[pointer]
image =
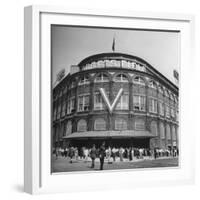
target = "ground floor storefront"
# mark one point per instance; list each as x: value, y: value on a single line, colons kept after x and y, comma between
x: 109, y: 142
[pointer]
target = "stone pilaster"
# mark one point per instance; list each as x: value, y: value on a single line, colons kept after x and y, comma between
x: 165, y: 128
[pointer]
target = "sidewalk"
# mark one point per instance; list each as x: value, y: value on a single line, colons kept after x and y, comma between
x: 117, y: 159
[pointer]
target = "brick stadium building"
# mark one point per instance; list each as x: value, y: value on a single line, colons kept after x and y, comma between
x: 145, y: 115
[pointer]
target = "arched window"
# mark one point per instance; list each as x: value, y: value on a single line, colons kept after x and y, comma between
x: 82, y: 125
x: 68, y: 128
x: 101, y: 78
x: 100, y: 124
x: 139, y: 124
x: 154, y: 128
x: 121, y: 78
x: 139, y: 80
x: 120, y: 124
x: 152, y: 84
x: 168, y: 132
x: 162, y: 131
x: 84, y: 80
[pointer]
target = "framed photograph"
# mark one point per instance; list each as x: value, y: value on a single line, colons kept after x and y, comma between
x: 106, y: 98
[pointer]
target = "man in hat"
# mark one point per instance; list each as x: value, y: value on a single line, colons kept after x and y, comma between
x: 102, y: 155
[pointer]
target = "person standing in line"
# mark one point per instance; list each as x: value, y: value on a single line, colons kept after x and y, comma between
x: 86, y: 152
x: 121, y: 151
x: 66, y: 152
x: 102, y: 155
x: 93, y: 153
x: 71, y: 153
x: 113, y: 153
x: 155, y: 153
x: 130, y: 154
x: 109, y: 155
x: 57, y: 152
x: 76, y: 153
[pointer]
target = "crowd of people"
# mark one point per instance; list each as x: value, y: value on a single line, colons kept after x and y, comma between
x: 112, y: 153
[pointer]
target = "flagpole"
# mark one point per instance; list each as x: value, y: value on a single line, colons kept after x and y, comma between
x: 113, y: 44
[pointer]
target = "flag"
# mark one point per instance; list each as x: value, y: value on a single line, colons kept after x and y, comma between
x: 113, y: 45
x: 176, y: 75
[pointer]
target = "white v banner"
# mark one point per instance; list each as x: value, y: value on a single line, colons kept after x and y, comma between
x: 106, y: 100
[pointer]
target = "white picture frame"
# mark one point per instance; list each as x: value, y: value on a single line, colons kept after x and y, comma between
x: 37, y: 136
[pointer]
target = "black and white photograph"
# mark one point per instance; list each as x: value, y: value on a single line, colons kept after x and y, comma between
x: 114, y: 98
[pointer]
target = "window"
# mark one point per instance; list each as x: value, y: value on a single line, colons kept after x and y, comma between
x: 172, y: 112
x: 139, y: 103
x: 73, y: 84
x: 152, y: 105
x: 82, y: 125
x: 154, y: 128
x: 101, y: 78
x: 152, y: 84
x: 167, y: 111
x: 100, y: 124
x: 71, y: 105
x: 54, y: 114
x: 161, y: 108
x: 61, y: 130
x: 123, y: 103
x: 65, y: 90
x: 168, y: 132
x: 120, y: 124
x: 98, y: 101
x: 68, y: 128
x: 57, y: 133
x: 59, y: 110
x: 139, y: 124
x: 63, y: 109
x: 121, y: 78
x: 84, y: 80
x: 162, y: 131
x: 138, y: 80
x: 83, y: 103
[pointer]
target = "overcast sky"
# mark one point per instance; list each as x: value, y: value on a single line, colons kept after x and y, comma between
x: 70, y: 45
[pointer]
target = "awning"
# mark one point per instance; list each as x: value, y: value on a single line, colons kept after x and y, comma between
x: 110, y: 134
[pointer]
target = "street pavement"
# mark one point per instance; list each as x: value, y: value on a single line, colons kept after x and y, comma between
x: 62, y: 164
